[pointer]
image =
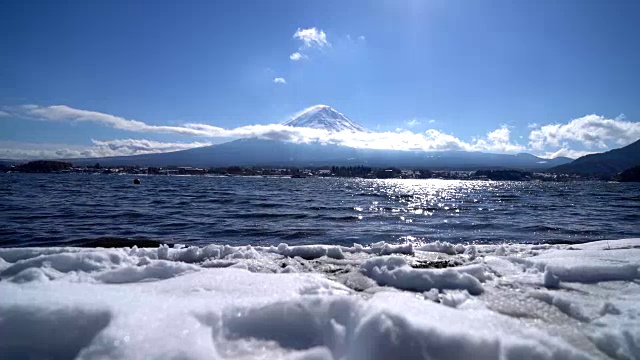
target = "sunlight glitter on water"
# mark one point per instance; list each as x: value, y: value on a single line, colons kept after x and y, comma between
x: 423, y: 197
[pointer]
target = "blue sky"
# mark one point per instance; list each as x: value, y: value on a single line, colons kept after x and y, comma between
x: 546, y: 77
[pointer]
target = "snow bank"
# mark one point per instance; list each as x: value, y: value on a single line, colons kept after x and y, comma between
x: 253, y: 315
x: 322, y: 302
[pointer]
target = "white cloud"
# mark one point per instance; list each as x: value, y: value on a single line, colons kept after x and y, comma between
x: 279, y: 80
x: 573, y: 139
x: 19, y: 150
x: 66, y: 113
x: 498, y: 140
x: 412, y: 122
x: 142, y: 146
x: 298, y: 56
x: 565, y: 152
x: 415, y: 122
x: 311, y: 37
x: 4, y: 113
x: 550, y: 140
x: 123, y: 147
x: 361, y: 38
x: 590, y: 131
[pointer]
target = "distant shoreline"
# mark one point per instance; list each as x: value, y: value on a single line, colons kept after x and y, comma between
x: 363, y: 172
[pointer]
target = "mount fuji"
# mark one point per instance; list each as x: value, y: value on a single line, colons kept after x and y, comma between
x: 324, y: 117
x: 260, y: 152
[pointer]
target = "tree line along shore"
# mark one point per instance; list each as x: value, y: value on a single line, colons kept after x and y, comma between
x: 366, y: 172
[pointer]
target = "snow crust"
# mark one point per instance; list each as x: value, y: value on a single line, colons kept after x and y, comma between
x: 385, y: 301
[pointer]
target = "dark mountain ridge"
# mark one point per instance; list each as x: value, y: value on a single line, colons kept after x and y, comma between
x: 257, y: 152
x: 606, y: 164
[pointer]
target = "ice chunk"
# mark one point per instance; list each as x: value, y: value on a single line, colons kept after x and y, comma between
x: 455, y: 298
x: 394, y: 271
x: 158, y: 269
x: 309, y: 252
x: 442, y: 247
x: 588, y: 266
x: 593, y: 273
x: 388, y: 249
x: 551, y: 280
x: 30, y: 274
x: 86, y: 261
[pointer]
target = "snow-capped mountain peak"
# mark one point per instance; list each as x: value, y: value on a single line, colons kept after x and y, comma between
x: 324, y: 117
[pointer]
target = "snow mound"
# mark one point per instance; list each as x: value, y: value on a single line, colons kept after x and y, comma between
x: 322, y: 302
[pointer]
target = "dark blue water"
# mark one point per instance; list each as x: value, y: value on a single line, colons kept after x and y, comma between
x: 72, y: 209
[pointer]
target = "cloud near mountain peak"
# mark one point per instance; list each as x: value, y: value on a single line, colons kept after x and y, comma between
x: 548, y: 139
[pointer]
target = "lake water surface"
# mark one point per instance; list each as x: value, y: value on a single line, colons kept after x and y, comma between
x: 70, y: 209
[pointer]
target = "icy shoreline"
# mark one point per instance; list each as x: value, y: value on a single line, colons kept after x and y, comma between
x: 436, y: 301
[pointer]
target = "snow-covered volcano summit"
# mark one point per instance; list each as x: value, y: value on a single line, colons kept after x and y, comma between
x: 324, y: 117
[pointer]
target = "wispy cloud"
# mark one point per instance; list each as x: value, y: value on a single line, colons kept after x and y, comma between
x: 66, y: 113
x: 360, y: 38
x: 123, y: 147
x: 311, y: 37
x: 413, y: 122
x: 4, y: 113
x: 296, y: 56
x: 565, y: 152
x: 142, y: 146
x: 279, y: 80
x: 592, y: 131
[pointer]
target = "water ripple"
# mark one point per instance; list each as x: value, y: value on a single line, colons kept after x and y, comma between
x: 41, y: 209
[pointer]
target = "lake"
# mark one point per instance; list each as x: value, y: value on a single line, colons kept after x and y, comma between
x: 73, y: 209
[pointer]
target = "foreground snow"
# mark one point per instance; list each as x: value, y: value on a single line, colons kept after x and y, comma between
x: 433, y: 301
